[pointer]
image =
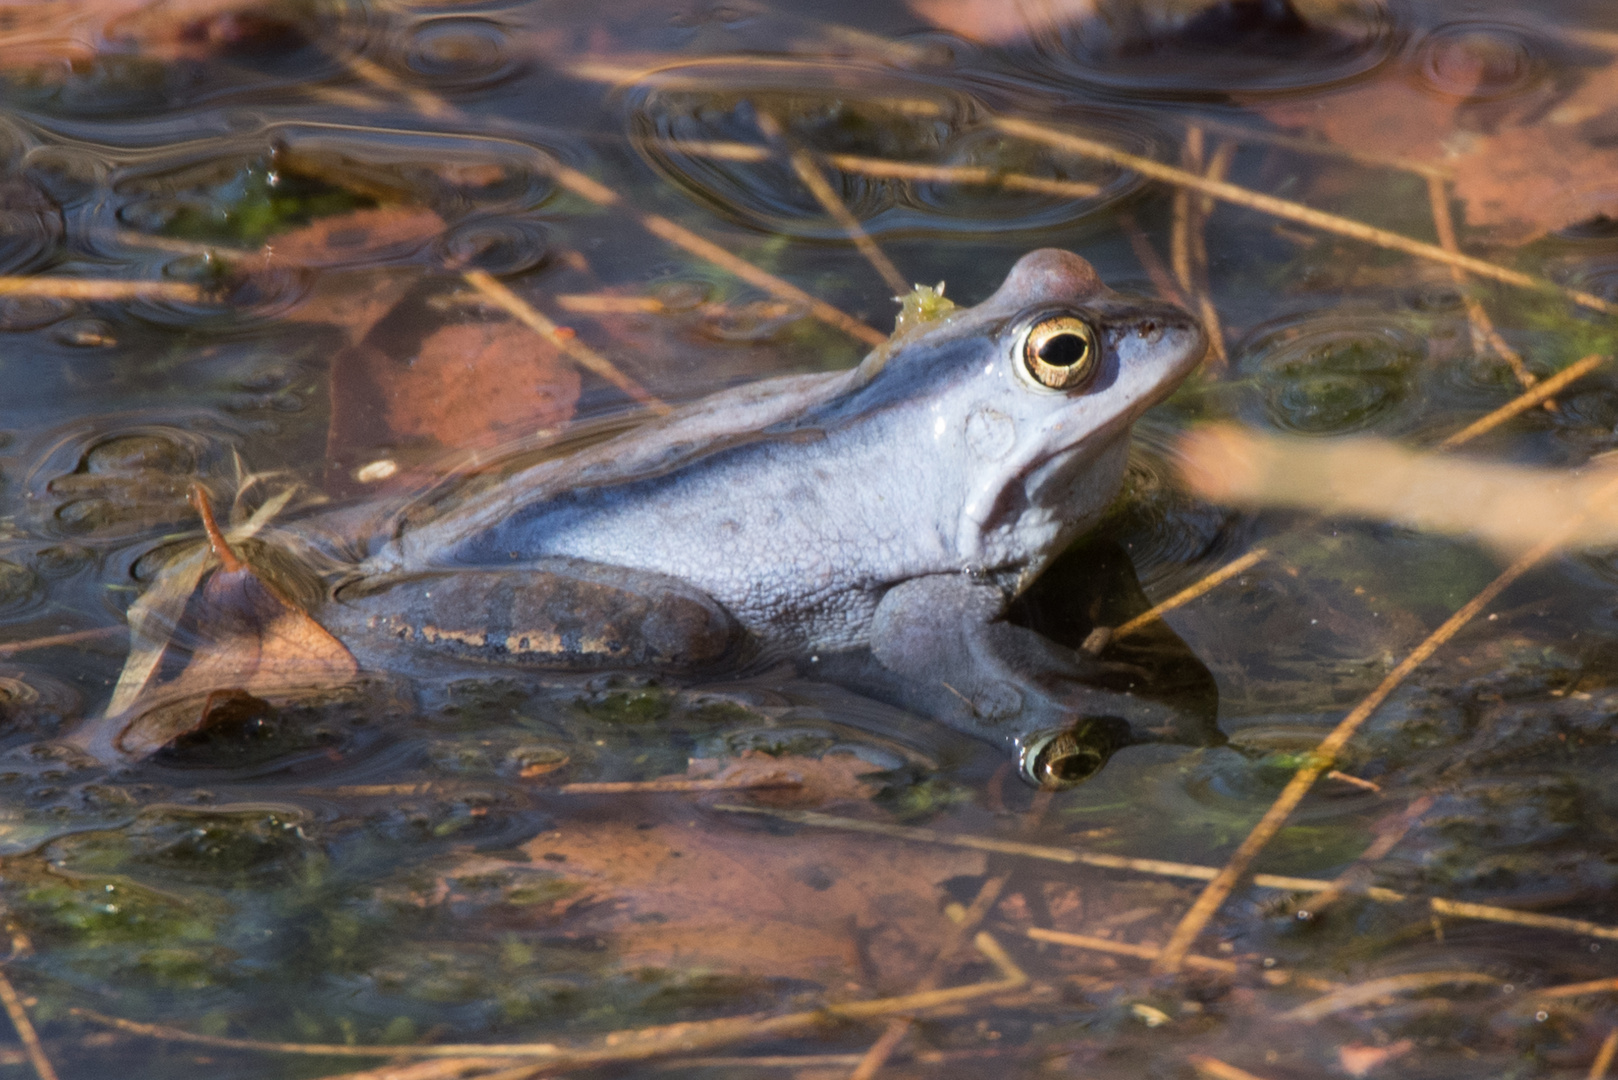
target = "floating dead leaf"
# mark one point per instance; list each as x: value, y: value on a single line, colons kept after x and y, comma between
x: 1509, y: 507
x: 253, y: 640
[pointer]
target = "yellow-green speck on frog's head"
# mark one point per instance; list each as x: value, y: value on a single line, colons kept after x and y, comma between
x: 920, y: 306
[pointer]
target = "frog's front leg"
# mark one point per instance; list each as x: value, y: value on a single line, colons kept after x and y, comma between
x: 555, y: 613
x: 945, y: 638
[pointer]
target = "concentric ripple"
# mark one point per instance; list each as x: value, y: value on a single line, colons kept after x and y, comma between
x: 30, y: 226
x: 1331, y: 374
x: 1478, y: 61
x: 1220, y: 49
x: 899, y: 152
x: 458, y: 54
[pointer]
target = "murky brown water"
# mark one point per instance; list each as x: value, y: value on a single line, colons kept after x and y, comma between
x: 399, y: 863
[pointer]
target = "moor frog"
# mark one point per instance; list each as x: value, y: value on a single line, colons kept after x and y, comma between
x: 873, y: 525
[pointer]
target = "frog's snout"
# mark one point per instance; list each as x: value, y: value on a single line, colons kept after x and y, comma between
x: 1067, y: 757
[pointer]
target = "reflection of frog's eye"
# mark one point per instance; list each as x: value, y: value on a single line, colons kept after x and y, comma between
x: 1060, y: 352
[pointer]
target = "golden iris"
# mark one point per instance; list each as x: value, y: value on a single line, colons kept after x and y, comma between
x: 1060, y: 352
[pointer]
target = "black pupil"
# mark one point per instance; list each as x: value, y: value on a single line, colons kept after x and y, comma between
x: 1063, y: 350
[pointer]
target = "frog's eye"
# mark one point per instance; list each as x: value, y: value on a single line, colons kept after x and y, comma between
x: 1060, y: 352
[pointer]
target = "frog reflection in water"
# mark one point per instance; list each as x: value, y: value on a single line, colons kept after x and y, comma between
x: 875, y: 525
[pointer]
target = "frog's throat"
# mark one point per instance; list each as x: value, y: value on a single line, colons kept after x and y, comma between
x: 988, y: 536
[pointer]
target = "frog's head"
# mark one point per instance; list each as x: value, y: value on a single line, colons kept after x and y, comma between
x: 1028, y: 400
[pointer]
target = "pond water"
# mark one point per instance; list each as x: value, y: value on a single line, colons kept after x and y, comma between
x: 319, y: 253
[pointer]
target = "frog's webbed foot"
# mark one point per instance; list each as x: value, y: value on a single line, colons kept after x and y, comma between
x: 945, y: 644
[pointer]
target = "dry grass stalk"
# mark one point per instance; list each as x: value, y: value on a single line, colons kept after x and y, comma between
x: 1604, y: 1056
x: 965, y: 921
x: 771, y: 1061
x: 1324, y: 756
x: 25, y: 1030
x: 1191, y: 592
x: 1123, y: 948
x: 1485, y: 338
x: 1219, y: 1070
x: 439, y: 1069
x: 51, y: 641
x: 661, y: 227
x: 1165, y: 868
x: 1388, y: 837
x: 581, y: 354
x: 810, y: 176
x: 1218, y: 165
x: 602, y: 304
x: 1579, y: 989
x: 1149, y: 260
x: 96, y: 289
x: 1542, y: 392
x: 1183, y: 226
x: 1352, y: 997
x: 623, y: 1046
x: 1291, y: 211
x: 882, y: 168
x: 1490, y: 913
x: 774, y: 779
x: 1190, y: 871
x: 1321, y: 148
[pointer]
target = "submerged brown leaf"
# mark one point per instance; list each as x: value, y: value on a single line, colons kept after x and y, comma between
x: 672, y: 889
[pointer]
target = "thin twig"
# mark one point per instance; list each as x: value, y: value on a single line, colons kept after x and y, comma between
x: 1604, y: 1056
x: 776, y: 779
x: 1219, y: 1070
x: 595, y: 192
x: 1123, y: 948
x: 622, y: 1046
x: 1325, y: 755
x: 1291, y: 211
x: 1218, y: 165
x: 1248, y: 134
x: 1149, y: 260
x: 1542, y: 392
x: 966, y: 921
x: 1387, y: 838
x: 1180, y: 230
x: 1579, y: 989
x: 810, y: 176
x: 92, y: 289
x: 1165, y: 868
x: 882, y: 168
x: 1351, y: 997
x: 25, y: 1030
x: 1485, y: 338
x: 1191, y: 592
x: 502, y: 297
x: 51, y: 641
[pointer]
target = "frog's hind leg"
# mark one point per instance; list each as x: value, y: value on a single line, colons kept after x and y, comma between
x: 557, y: 614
